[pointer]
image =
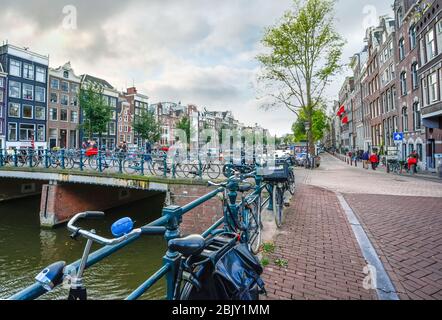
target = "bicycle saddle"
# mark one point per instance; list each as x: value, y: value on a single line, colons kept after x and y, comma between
x: 188, y: 246
x: 245, y: 187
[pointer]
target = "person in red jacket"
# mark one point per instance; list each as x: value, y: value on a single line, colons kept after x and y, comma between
x: 374, y: 161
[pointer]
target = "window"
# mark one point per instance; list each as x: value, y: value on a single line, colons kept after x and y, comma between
x: 113, y: 102
x: 439, y: 36
x: 40, y: 94
x: 412, y: 36
x: 27, y: 132
x: 28, y: 71
x: 55, y: 84
x: 425, y: 91
x: 28, y: 91
x: 64, y: 115
x: 430, y: 45
x: 66, y: 74
x: 401, y: 49
x: 74, y: 88
x: 41, y: 132
x: 2, y: 83
x: 54, y: 97
x: 40, y: 113
x: 15, y: 68
x: 15, y: 89
x: 416, y: 116
x: 14, y: 110
x: 432, y: 87
x: 404, y: 119
x: 414, y: 78
x: 404, y: 83
x: 64, y: 100
x: 28, y: 111
x: 74, y: 101
x: 74, y: 116
x: 112, y: 128
x: 400, y: 16
x: 1, y: 97
x: 12, y: 131
x: 41, y: 75
x: 53, y: 114
x: 64, y: 86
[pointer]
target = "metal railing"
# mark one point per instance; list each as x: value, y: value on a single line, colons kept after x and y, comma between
x: 171, y: 219
x: 130, y: 163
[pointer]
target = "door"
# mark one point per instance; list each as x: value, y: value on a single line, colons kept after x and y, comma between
x: 431, y: 145
x: 63, y: 139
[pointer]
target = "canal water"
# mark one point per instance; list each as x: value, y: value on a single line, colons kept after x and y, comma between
x: 26, y: 249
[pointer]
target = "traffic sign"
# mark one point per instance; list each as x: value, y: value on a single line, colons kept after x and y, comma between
x: 398, y: 136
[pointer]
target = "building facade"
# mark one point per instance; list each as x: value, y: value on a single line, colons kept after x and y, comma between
x: 64, y: 109
x: 3, y: 85
x: 26, y: 97
x: 138, y: 104
x: 346, y: 117
x: 125, y: 120
x: 110, y: 96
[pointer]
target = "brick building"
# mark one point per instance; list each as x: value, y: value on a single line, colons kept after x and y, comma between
x: 64, y: 109
x: 110, y: 95
x: 138, y: 103
x: 26, y: 96
x: 429, y: 39
x: 3, y: 85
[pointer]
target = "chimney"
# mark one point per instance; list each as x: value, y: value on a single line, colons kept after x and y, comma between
x: 132, y: 90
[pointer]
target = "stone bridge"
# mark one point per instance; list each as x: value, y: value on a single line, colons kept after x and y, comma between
x: 65, y: 193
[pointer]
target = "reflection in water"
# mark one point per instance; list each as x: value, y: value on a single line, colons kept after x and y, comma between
x: 25, y: 249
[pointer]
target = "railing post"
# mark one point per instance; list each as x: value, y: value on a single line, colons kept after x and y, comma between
x: 15, y: 158
x: 30, y: 153
x: 174, y: 214
x: 120, y: 163
x: 142, y: 163
x: 2, y: 162
x: 63, y: 165
x: 165, y: 165
x: 100, y: 168
x: 46, y: 158
x: 173, y: 168
x: 200, y: 168
x: 270, y: 191
x: 81, y: 160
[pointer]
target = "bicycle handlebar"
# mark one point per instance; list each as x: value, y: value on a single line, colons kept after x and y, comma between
x: 146, y: 230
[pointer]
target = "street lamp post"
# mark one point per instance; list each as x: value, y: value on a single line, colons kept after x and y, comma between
x: 307, y: 129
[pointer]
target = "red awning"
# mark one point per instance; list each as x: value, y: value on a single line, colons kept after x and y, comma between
x: 341, y: 110
x: 345, y: 120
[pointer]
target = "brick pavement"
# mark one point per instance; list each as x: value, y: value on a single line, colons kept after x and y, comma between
x: 407, y: 234
x: 324, y: 259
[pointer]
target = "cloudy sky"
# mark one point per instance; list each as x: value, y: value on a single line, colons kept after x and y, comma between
x: 193, y: 51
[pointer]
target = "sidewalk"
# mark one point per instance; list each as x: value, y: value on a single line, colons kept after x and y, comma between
x: 323, y: 258
x: 426, y: 175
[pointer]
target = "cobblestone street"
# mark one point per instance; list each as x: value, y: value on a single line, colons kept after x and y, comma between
x: 402, y: 217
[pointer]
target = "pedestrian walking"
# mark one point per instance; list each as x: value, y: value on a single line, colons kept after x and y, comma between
x: 374, y: 159
x: 365, y: 159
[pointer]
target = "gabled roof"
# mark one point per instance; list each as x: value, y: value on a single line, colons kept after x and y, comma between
x: 95, y: 80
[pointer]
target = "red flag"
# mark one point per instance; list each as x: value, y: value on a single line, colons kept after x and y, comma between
x: 345, y: 120
x: 341, y: 110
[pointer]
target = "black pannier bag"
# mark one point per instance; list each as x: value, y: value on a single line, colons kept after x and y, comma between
x: 276, y: 173
x: 237, y: 275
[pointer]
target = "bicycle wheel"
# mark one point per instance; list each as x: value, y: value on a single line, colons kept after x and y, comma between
x: 254, y: 230
x: 158, y: 168
x: 278, y: 205
x: 130, y: 167
x: 213, y: 171
x: 292, y: 182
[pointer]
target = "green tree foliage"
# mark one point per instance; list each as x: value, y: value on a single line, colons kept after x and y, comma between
x: 96, y: 111
x: 147, y: 126
x: 303, y: 55
x: 184, y: 124
x: 319, y: 127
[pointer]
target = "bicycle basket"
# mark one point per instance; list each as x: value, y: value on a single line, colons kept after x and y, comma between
x: 278, y: 172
